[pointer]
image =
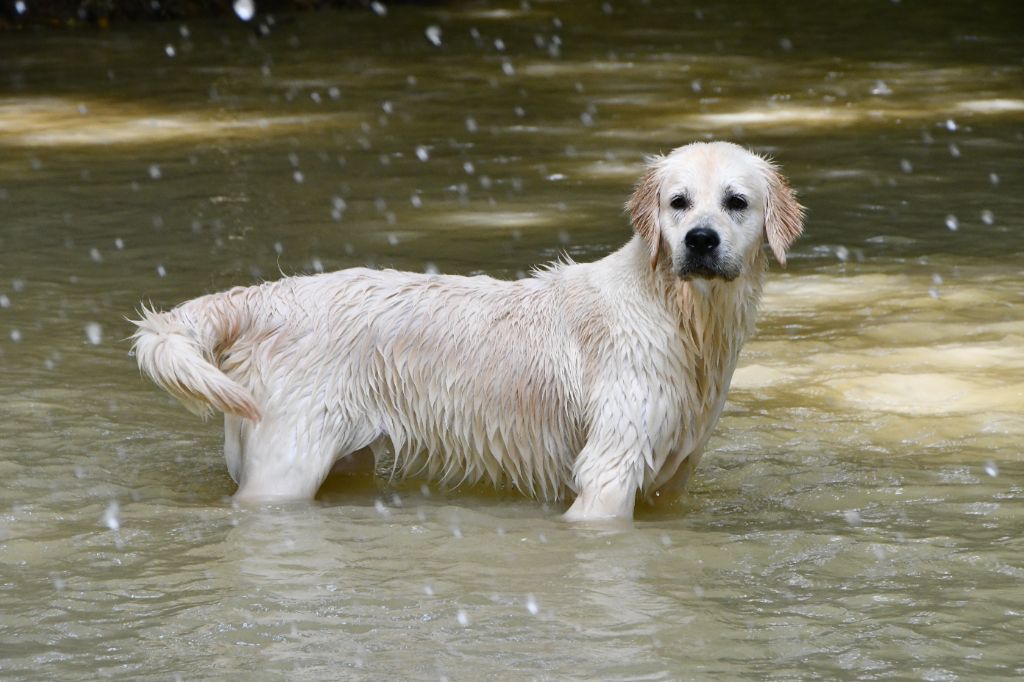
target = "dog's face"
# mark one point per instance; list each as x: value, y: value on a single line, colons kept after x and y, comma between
x: 705, y: 209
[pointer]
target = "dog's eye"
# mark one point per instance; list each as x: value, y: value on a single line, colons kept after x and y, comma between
x: 680, y: 203
x: 735, y: 202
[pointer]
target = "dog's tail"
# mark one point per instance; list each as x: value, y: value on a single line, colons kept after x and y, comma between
x: 179, y: 351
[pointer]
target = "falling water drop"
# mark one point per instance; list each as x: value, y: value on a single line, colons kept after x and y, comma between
x: 112, y: 516
x: 462, y: 617
x: 991, y: 468
x: 881, y: 89
x: 952, y: 223
x: 988, y: 217
x: 94, y: 333
x: 379, y: 8
x: 155, y: 172
x: 421, y: 153
x: 20, y: 7
x: 169, y: 50
x: 531, y: 605
x: 433, y: 34
x: 245, y: 9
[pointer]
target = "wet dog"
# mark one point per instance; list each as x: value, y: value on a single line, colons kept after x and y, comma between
x: 597, y: 380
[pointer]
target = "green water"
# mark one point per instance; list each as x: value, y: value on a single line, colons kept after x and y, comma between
x: 857, y: 514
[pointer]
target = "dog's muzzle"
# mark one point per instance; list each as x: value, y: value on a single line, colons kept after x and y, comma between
x: 702, y: 257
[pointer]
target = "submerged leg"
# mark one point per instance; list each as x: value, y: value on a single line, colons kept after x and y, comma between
x: 289, y: 458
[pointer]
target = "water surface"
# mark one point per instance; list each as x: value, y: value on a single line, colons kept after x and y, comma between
x: 857, y: 514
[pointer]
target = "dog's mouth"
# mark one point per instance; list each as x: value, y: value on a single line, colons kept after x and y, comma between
x: 702, y: 267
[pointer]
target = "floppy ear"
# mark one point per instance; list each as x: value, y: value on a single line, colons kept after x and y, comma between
x: 783, y: 215
x: 643, y: 209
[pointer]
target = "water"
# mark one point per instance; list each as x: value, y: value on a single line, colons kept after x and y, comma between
x: 857, y: 514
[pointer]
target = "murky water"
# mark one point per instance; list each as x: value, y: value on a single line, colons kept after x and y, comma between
x: 858, y: 513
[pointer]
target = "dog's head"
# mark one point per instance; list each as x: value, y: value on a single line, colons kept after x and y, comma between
x: 707, y: 208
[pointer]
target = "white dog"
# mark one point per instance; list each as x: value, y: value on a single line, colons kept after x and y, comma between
x: 600, y: 379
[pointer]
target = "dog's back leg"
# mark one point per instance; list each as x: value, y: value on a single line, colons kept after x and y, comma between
x: 289, y: 456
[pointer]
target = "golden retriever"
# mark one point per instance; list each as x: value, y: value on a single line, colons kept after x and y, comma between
x: 595, y: 380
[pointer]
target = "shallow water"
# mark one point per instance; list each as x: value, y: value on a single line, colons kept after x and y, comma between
x: 858, y: 513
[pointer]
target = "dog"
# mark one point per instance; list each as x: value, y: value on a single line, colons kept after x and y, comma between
x: 600, y: 381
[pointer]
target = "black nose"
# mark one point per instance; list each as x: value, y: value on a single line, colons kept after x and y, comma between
x: 701, y: 240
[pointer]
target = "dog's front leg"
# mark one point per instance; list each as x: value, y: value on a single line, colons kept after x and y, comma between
x: 607, y: 481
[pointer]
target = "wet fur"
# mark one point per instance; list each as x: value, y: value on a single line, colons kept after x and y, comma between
x: 595, y: 380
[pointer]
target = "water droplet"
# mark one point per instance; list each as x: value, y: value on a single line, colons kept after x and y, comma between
x: 378, y: 505
x: 94, y: 333
x: 988, y: 217
x: 317, y: 265
x: 428, y: 590
x: 456, y: 532
x: 666, y: 541
x: 993, y: 178
x: 950, y: 125
x: 379, y: 8
x: 416, y: 201
x: 954, y: 150
x: 531, y: 605
x: 161, y: 271
x: 469, y: 167
x: 508, y: 69
x: 471, y: 124
x: 298, y: 177
x: 154, y: 172
x: 842, y: 253
x: 119, y: 244
x: 169, y: 50
x: 462, y: 617
x: 20, y: 7
x: 433, y: 34
x: 112, y: 516
x: 95, y: 255
x: 4, y: 301
x: 906, y: 166
x: 991, y: 468
x: 393, y: 239
x: 952, y: 223
x: 430, y: 269
x: 852, y: 517
x: 786, y: 44
x: 421, y: 153
x: 936, y: 279
x: 245, y: 9
x: 881, y: 89
x: 278, y: 248
x: 15, y: 335
x: 184, y: 32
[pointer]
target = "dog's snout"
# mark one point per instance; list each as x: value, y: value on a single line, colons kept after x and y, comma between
x: 702, y: 240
